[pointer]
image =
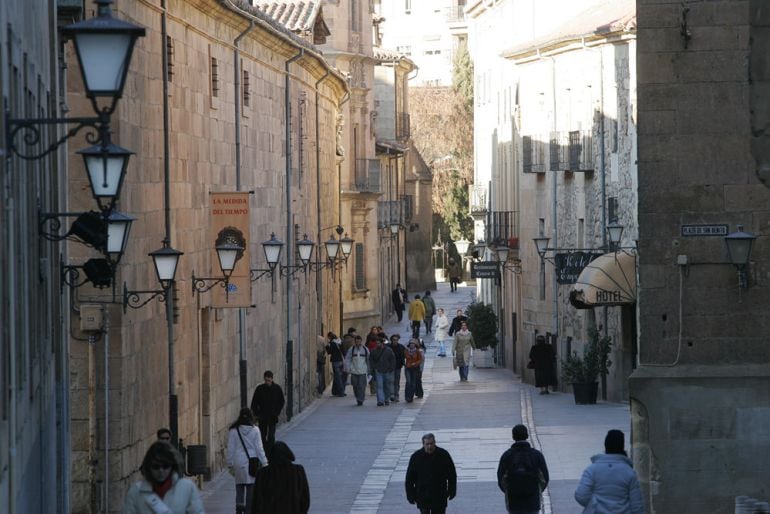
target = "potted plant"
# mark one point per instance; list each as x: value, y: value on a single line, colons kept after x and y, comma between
x: 482, y: 322
x: 583, y: 372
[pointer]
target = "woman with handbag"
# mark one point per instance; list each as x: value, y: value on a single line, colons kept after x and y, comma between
x: 244, y: 455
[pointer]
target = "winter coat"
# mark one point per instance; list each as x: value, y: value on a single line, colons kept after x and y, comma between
x: 281, y: 488
x: 398, y: 297
x: 453, y: 270
x: 507, y: 461
x: 182, y: 498
x: 610, y: 486
x: 430, y: 306
x: 462, y: 348
x: 236, y: 455
x: 542, y: 355
x: 382, y: 360
x: 357, y: 361
x: 398, y: 351
x: 442, y: 328
x: 267, y: 402
x: 334, y: 348
x: 456, y: 322
x: 430, y: 478
x: 417, y: 310
x: 413, y: 358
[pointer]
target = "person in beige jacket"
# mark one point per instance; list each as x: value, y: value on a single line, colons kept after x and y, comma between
x: 462, y: 351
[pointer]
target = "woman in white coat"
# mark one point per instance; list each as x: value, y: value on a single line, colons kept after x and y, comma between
x: 244, y: 442
x: 442, y: 332
x: 163, y: 488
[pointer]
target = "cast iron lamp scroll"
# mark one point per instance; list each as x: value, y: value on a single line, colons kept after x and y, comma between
x: 272, y: 248
x: 166, y: 260
x: 104, y: 46
x: 739, y: 252
x: 228, y: 254
x: 502, y: 252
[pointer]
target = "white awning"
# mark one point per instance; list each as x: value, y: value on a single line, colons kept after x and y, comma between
x: 607, y: 280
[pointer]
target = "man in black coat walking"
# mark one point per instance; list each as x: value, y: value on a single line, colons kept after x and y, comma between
x: 431, y: 478
x: 398, y: 297
x: 266, y: 404
x: 522, y: 474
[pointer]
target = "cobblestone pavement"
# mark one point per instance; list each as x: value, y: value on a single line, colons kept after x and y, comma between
x: 356, y: 457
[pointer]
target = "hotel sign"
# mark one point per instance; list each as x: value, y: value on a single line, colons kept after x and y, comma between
x: 570, y: 265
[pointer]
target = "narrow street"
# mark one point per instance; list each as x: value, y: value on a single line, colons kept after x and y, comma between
x: 356, y: 458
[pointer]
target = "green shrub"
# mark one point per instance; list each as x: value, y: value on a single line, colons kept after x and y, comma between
x: 595, y: 360
x: 482, y: 322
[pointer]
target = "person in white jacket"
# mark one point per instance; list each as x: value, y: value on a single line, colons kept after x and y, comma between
x: 442, y: 332
x: 610, y: 485
x: 163, y: 489
x: 244, y: 442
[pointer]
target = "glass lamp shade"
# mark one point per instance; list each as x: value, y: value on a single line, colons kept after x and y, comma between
x: 739, y: 246
x: 347, y: 245
x: 541, y: 243
x: 166, y: 260
x: 615, y: 232
x: 305, y: 248
x: 332, y: 248
x: 104, y: 46
x: 106, y: 168
x: 502, y: 253
x: 462, y: 246
x: 394, y: 228
x: 118, y: 227
x: 272, y: 248
x: 228, y: 254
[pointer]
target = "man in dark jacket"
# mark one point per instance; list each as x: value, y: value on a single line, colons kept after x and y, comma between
x: 398, y: 297
x: 431, y: 478
x: 398, y: 351
x: 522, y: 474
x: 337, y: 358
x: 457, y: 321
x: 266, y: 404
x: 382, y: 361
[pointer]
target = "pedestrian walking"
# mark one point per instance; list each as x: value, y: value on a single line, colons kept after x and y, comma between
x: 398, y: 297
x: 418, y: 393
x: 337, y: 358
x: 266, y: 405
x: 413, y: 359
x: 456, y: 321
x: 610, y: 484
x: 522, y: 475
x: 382, y: 362
x: 416, y: 315
x: 244, y: 444
x: 430, y: 310
x: 442, y: 332
x: 454, y: 271
x: 398, y: 351
x: 541, y: 357
x: 164, y: 434
x: 320, y: 364
x: 357, y: 365
x: 282, y: 486
x: 431, y: 478
x: 463, y: 350
x: 347, y: 342
x: 163, y: 487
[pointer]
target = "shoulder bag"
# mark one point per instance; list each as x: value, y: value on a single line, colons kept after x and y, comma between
x: 253, y: 461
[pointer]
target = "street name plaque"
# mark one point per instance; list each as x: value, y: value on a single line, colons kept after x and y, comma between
x: 719, y: 229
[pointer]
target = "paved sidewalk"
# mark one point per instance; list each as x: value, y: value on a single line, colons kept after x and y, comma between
x: 356, y: 457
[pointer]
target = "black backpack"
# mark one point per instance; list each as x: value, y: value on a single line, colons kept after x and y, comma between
x: 522, y: 478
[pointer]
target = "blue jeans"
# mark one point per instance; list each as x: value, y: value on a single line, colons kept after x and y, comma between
x: 384, y: 386
x: 338, y: 387
x: 463, y: 372
x: 412, y: 375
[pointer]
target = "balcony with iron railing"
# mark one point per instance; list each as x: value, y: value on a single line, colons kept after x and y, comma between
x: 571, y: 151
x: 367, y: 179
x: 502, y: 227
x: 478, y: 199
x: 456, y: 14
x: 403, y: 131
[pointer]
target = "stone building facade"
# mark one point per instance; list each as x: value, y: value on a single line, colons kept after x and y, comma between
x: 251, y: 107
x: 541, y: 111
x: 699, y: 399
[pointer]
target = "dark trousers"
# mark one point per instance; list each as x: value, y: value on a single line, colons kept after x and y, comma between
x: 453, y: 284
x: 320, y: 369
x: 428, y: 324
x: 338, y: 387
x: 412, y: 375
x: 432, y: 510
x: 267, y: 429
x: 396, y: 384
x: 416, y: 329
x: 400, y: 312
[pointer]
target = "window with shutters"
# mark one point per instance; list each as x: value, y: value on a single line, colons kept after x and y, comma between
x: 360, y: 278
x: 169, y: 58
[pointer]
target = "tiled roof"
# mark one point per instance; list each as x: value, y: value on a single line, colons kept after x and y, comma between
x: 386, y: 55
x: 604, y: 17
x: 295, y: 15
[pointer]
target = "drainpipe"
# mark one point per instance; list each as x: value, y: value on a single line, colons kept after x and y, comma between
x: 106, y: 409
x: 554, y: 214
x: 289, y: 239
x: 242, y: 365
x: 318, y: 278
x: 339, y: 216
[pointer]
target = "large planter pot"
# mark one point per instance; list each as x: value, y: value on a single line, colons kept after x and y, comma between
x: 484, y: 358
x: 585, y: 393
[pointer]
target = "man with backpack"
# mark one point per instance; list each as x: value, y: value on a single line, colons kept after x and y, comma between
x: 522, y: 475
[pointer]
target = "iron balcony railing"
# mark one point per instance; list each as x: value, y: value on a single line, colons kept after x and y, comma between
x: 533, y: 154
x: 368, y: 175
x: 402, y: 126
x: 478, y: 199
x: 502, y: 227
x: 571, y: 151
x: 455, y: 14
